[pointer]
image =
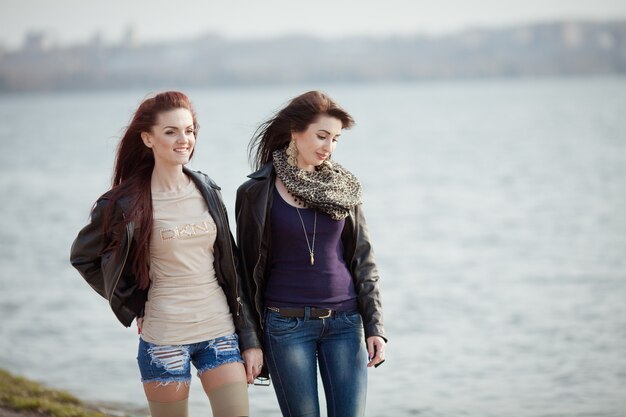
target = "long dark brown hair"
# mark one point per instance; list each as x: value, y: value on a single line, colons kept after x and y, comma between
x: 296, y: 116
x: 134, y: 163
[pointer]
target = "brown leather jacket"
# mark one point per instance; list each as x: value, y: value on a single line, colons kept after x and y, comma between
x: 252, y: 208
x: 110, y: 274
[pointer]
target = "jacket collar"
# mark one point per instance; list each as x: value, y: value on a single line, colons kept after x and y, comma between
x: 264, y: 172
x: 200, y: 179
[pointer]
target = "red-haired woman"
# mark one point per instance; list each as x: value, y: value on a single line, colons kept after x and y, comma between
x: 159, y: 249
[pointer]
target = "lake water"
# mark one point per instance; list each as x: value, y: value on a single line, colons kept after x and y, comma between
x: 497, y: 209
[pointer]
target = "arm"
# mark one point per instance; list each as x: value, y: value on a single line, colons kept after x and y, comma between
x: 245, y: 323
x: 247, y: 239
x: 253, y: 358
x: 85, y: 254
x: 365, y: 274
x: 248, y: 328
x: 366, y: 278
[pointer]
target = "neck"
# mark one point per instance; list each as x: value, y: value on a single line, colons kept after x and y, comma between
x: 305, y: 167
x: 168, y: 178
x: 302, y: 165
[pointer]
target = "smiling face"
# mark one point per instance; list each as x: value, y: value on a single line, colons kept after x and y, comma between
x: 172, y: 138
x: 317, y: 142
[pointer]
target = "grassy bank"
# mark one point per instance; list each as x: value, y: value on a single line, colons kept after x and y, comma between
x: 30, y: 398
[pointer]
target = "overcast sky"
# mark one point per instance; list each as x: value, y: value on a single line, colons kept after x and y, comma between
x: 76, y: 21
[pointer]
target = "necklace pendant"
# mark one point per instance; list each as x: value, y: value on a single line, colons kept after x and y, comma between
x: 312, y: 259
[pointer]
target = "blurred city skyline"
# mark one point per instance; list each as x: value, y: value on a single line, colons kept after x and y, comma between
x: 567, y: 48
x: 73, y: 21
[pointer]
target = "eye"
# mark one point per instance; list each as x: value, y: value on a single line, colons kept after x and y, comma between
x: 169, y: 132
x: 321, y: 137
x: 190, y: 131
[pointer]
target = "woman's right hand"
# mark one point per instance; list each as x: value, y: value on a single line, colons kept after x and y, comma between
x: 253, y: 362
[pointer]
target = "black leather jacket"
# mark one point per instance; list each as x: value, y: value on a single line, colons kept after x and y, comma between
x: 110, y: 274
x: 252, y: 209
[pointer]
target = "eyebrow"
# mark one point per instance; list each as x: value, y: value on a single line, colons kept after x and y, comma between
x: 326, y: 131
x: 175, y: 127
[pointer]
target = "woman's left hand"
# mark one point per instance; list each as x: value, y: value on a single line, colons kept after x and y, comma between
x: 376, y: 350
x: 253, y: 362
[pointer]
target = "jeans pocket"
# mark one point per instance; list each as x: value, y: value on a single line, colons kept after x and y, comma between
x: 276, y: 324
x: 352, y: 319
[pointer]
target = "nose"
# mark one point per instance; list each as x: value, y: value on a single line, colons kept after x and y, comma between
x: 328, y: 145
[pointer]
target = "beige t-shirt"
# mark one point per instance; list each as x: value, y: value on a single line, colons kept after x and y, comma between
x: 185, y: 302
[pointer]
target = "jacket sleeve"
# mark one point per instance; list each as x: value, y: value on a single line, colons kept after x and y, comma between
x: 245, y: 324
x: 248, y: 328
x: 246, y: 233
x: 85, y: 254
x: 365, y: 273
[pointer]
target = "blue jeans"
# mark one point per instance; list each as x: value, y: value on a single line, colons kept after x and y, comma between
x: 295, y: 345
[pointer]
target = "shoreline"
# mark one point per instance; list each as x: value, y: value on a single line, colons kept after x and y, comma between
x: 22, y: 397
x: 9, y: 412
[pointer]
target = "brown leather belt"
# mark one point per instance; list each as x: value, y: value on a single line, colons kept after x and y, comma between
x: 315, y: 313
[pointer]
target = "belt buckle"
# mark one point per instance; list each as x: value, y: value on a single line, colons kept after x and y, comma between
x: 327, y: 315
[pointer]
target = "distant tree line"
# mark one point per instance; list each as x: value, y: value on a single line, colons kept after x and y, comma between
x: 547, y: 49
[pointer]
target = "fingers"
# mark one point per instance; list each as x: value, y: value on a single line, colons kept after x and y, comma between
x: 250, y: 375
x: 376, y: 350
x: 253, y: 361
x: 252, y: 371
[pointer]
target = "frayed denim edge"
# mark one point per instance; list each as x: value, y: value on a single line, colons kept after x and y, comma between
x: 209, y: 368
x: 163, y: 382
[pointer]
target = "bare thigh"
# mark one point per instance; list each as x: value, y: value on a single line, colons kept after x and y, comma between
x: 223, y: 374
x: 172, y: 392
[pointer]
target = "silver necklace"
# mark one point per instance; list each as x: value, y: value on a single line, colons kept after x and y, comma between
x: 312, y: 246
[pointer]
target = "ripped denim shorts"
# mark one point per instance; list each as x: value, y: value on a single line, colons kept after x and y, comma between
x: 171, y: 363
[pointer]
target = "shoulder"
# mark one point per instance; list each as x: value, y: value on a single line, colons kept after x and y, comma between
x: 105, y: 198
x: 104, y: 201
x: 201, y: 178
x: 247, y: 186
x: 122, y: 203
x: 258, y: 180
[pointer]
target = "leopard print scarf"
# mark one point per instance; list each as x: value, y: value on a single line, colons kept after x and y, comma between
x: 331, y: 188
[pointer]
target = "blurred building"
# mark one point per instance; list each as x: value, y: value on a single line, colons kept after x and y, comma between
x: 38, y: 42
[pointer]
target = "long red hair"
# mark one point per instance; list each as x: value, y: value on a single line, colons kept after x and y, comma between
x: 134, y: 163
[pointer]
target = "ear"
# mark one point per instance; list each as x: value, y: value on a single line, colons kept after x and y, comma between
x: 147, y: 140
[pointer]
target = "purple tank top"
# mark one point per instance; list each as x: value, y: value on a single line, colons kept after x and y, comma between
x: 293, y: 281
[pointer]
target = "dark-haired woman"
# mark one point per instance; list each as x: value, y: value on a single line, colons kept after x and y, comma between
x: 308, y: 265
x: 159, y: 248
